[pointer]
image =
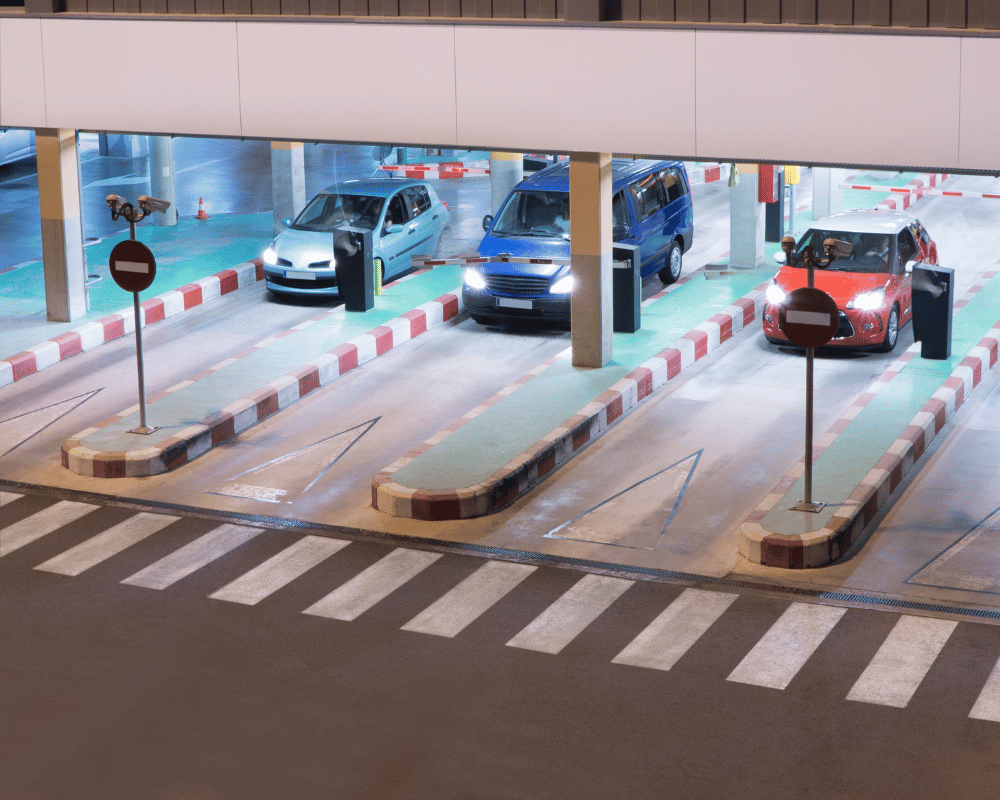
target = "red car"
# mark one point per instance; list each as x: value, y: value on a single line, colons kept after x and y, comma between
x: 871, y: 286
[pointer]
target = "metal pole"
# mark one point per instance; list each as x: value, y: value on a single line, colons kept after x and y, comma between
x: 143, y: 428
x: 809, y: 426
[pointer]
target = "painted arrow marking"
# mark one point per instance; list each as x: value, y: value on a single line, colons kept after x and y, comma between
x: 293, y: 473
x: 635, y: 517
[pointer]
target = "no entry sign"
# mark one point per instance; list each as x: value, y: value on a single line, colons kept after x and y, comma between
x: 132, y: 265
x: 809, y: 318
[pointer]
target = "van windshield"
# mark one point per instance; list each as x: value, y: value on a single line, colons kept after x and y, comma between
x: 534, y: 213
x: 327, y: 212
x: 872, y: 251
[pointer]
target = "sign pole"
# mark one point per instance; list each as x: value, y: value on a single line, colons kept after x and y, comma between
x: 143, y: 427
x: 808, y: 499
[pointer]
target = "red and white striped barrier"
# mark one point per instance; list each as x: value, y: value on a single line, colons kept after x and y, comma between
x: 93, y: 334
x: 442, y: 170
x: 707, y: 173
x: 246, y: 412
x: 419, y: 261
x: 910, y: 193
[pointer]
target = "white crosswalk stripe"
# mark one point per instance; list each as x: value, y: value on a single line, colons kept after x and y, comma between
x: 787, y: 645
x: 987, y: 705
x: 214, y: 544
x: 109, y: 543
x: 279, y: 570
x: 9, y: 497
x: 470, y: 599
x: 40, y: 523
x: 568, y: 616
x: 352, y: 599
x: 901, y: 663
x: 670, y: 635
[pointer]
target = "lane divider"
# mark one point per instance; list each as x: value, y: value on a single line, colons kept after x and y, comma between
x: 114, y: 326
x: 557, y: 447
x: 829, y: 543
x: 257, y: 406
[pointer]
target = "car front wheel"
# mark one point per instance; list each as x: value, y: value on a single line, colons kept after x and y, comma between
x: 891, y: 332
x: 672, y: 271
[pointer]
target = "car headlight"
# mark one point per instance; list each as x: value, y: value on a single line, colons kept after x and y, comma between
x: 775, y: 294
x: 562, y: 286
x: 474, y: 279
x: 270, y: 256
x: 868, y: 301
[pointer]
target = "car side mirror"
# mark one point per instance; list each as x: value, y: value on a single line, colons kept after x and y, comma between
x: 910, y: 265
x: 619, y: 232
x: 286, y: 222
x: 780, y: 256
x: 487, y: 221
x: 391, y: 229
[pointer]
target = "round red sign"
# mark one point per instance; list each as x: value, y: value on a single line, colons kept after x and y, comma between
x: 809, y: 318
x: 132, y: 265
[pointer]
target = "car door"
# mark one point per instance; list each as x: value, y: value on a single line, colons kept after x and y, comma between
x: 675, y: 190
x: 649, y: 204
x: 393, y: 244
x: 906, y: 250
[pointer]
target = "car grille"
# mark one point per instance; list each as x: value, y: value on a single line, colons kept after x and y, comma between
x: 296, y: 283
x: 845, y: 330
x: 517, y: 284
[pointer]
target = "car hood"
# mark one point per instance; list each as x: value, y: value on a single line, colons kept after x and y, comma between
x: 841, y: 286
x: 304, y: 246
x: 527, y: 247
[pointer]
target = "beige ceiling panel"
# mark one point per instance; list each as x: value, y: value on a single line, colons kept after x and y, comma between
x: 980, y: 131
x: 22, y: 89
x: 539, y: 89
x: 348, y: 82
x: 138, y: 75
x: 829, y: 98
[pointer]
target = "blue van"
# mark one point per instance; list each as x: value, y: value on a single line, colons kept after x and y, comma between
x: 651, y: 207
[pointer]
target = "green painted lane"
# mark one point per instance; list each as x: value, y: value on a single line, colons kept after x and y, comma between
x: 493, y: 439
x: 853, y: 454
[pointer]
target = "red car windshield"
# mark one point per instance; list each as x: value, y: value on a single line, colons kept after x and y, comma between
x: 872, y: 251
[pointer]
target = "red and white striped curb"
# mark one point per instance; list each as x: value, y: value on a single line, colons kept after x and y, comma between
x: 558, y: 446
x: 246, y: 412
x: 823, y: 546
x: 93, y: 334
x: 442, y: 170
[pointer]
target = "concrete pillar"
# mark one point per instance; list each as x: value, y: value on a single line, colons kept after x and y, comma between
x: 828, y: 197
x: 122, y: 145
x: 506, y: 172
x: 746, y: 220
x: 65, y: 263
x: 161, y: 177
x: 288, y: 181
x: 590, y: 252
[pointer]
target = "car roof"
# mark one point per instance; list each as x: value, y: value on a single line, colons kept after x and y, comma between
x: 865, y: 221
x: 374, y: 187
x: 623, y: 170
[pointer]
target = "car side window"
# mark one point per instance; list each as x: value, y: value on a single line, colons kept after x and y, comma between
x: 417, y: 200
x: 397, y: 210
x: 673, y: 184
x: 619, y: 211
x: 919, y: 232
x: 648, y: 196
x: 906, y: 247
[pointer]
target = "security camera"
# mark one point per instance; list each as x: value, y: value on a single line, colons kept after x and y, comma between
x: 151, y: 204
x: 837, y: 248
x: 116, y: 201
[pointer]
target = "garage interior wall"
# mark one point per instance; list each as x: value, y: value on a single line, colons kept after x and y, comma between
x: 695, y: 94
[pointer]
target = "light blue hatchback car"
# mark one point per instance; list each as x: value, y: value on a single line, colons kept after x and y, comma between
x: 406, y: 218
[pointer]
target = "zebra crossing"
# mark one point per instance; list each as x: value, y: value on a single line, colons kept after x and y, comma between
x: 891, y: 678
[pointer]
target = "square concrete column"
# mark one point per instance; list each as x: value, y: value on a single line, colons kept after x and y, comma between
x: 506, y: 172
x: 288, y: 181
x: 828, y: 197
x: 65, y: 263
x: 746, y: 220
x: 161, y: 177
x: 590, y: 254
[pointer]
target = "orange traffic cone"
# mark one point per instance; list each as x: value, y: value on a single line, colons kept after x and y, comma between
x: 201, y: 209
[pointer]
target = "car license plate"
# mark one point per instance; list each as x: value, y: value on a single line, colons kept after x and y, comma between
x: 513, y: 302
x: 301, y: 274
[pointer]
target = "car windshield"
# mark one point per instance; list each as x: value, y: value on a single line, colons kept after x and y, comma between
x: 872, y: 251
x: 534, y: 213
x: 327, y: 212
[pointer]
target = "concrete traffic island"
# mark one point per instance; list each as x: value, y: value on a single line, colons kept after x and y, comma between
x: 502, y: 448
x: 217, y: 404
x: 865, y: 455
